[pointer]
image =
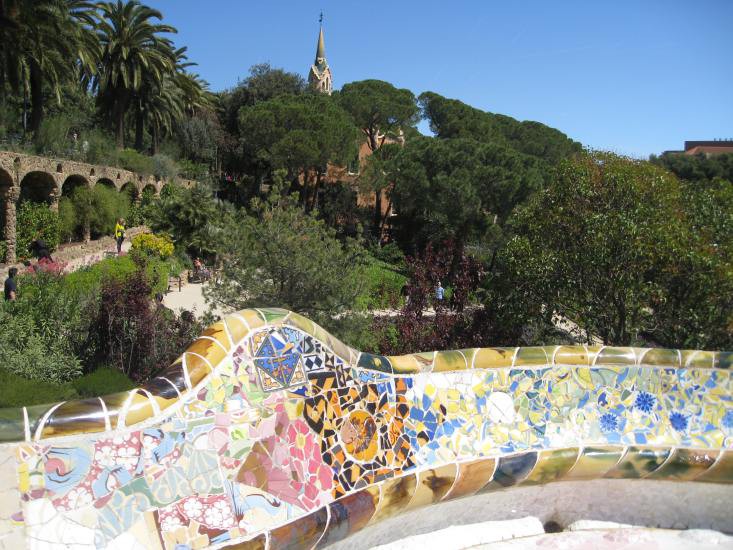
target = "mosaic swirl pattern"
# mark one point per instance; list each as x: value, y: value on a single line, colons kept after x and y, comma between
x: 270, y: 433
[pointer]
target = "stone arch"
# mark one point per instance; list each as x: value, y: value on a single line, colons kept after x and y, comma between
x: 165, y: 189
x: 59, y: 167
x: 132, y: 191
x: 72, y: 182
x: 106, y: 182
x: 38, y: 186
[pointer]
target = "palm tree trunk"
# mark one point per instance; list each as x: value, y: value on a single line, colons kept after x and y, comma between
x: 118, y: 116
x: 139, y: 129
x: 36, y: 85
x: 155, y: 140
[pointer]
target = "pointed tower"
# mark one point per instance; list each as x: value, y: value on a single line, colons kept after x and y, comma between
x: 319, y: 77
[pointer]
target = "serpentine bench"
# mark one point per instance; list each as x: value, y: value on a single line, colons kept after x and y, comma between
x: 268, y: 432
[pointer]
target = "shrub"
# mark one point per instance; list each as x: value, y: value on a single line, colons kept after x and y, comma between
x: 53, y: 137
x: 129, y: 159
x: 103, y: 381
x: 131, y: 334
x: 27, y: 350
x: 36, y: 218
x: 16, y: 391
x: 155, y: 245
x: 98, y: 147
x: 68, y: 220
x: 164, y: 167
x: 383, y: 287
x: 108, y: 206
x: 389, y: 253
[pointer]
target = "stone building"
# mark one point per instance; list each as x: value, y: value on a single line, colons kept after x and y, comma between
x: 319, y: 76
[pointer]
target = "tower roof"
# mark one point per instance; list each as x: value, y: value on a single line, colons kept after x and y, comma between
x: 321, y: 49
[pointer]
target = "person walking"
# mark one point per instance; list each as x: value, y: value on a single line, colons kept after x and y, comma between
x: 439, y: 293
x: 10, y: 287
x: 120, y: 234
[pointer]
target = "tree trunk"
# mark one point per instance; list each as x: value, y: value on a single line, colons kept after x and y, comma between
x: 139, y: 129
x: 36, y: 77
x: 118, y: 115
x: 378, y: 212
x: 154, y: 141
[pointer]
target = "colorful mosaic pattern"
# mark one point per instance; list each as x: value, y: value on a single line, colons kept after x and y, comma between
x: 270, y: 433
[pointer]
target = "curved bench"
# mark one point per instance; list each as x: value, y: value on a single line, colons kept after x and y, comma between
x: 268, y: 432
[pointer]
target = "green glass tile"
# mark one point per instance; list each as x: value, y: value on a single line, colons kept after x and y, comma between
x: 661, y: 358
x: 446, y: 361
x: 594, y: 462
x: 272, y: 314
x: 75, y: 417
x: 724, y: 359
x: 552, y: 465
x: 616, y: 356
x: 721, y: 471
x: 696, y: 359
x: 375, y: 362
x: 531, y: 356
x: 638, y: 462
x: 511, y: 470
x: 685, y: 465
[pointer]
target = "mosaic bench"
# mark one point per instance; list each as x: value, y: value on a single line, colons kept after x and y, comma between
x: 270, y: 433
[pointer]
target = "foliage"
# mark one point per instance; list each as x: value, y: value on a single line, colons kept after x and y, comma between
x: 450, y: 119
x: 457, y: 189
x: 40, y: 330
x: 36, y: 220
x: 17, y: 391
x: 301, y: 134
x: 129, y: 159
x: 449, y: 326
x: 107, y: 206
x: 42, y: 43
x: 131, y: 334
x: 286, y: 258
x: 190, y: 216
x: 3, y: 250
x: 379, y: 109
x: 697, y: 168
x: 612, y: 244
x: 156, y: 245
x: 101, y: 382
x: 383, y: 287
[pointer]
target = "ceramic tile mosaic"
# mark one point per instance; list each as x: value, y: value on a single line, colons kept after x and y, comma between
x: 270, y: 433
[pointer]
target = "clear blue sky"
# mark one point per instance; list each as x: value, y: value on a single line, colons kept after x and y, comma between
x: 632, y: 76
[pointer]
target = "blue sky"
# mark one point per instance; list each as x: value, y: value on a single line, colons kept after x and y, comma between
x: 632, y: 76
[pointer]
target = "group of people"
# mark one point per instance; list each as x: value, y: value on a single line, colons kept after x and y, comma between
x: 40, y: 250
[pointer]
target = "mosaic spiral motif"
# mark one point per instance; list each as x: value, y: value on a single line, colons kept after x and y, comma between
x: 270, y: 433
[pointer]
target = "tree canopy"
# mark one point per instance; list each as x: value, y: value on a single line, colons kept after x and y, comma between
x: 457, y: 188
x: 450, y: 118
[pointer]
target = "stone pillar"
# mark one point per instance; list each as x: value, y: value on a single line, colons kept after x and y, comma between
x: 55, y: 198
x: 11, y: 198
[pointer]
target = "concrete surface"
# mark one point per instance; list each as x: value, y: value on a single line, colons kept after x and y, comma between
x: 663, y: 504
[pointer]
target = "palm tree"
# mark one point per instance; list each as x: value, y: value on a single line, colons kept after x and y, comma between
x: 162, y: 104
x: 134, y: 55
x: 44, y: 42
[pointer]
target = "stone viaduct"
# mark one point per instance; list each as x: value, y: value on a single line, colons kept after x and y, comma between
x: 43, y: 179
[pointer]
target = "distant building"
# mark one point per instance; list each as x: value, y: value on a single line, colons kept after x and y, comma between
x: 707, y: 148
x: 320, y: 79
x: 319, y: 76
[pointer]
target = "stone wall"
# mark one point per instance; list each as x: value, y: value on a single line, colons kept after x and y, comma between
x: 47, y: 176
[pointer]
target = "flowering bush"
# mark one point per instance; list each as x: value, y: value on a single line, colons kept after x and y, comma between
x: 155, y: 245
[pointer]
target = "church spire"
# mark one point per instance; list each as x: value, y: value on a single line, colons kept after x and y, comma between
x: 319, y: 76
x: 321, y: 49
